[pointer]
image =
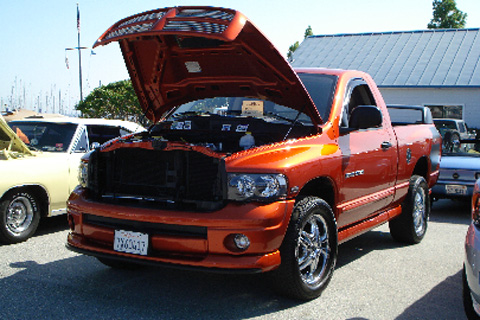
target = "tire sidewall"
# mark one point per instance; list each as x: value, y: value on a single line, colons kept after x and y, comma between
x: 5, y: 234
x: 419, y: 185
x: 306, y: 208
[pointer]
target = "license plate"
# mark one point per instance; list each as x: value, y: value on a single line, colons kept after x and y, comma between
x: 131, y: 242
x: 456, y: 189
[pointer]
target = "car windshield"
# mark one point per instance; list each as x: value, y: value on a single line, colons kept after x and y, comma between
x: 461, y: 147
x: 241, y: 107
x: 50, y: 137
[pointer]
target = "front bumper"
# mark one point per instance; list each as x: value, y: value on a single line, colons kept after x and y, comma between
x: 185, y: 239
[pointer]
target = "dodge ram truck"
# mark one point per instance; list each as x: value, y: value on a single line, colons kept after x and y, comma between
x: 251, y: 166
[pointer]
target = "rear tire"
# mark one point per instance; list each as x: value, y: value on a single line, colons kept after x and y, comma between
x: 308, y: 252
x: 411, y: 226
x: 19, y: 217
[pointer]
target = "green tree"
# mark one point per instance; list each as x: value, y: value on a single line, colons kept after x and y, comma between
x: 116, y: 100
x: 308, y: 32
x: 446, y: 15
x: 293, y: 47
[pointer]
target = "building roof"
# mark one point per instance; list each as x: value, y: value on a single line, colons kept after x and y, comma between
x: 423, y: 58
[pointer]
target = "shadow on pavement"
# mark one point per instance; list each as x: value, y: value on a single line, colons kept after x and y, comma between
x: 82, y: 288
x: 451, y: 211
x: 438, y: 305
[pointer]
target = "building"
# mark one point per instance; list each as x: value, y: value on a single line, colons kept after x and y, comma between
x: 435, y: 68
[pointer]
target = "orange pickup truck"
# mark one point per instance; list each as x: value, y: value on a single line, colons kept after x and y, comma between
x: 251, y: 166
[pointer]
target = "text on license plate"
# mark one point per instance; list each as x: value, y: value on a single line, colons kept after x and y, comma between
x: 455, y: 189
x: 131, y: 242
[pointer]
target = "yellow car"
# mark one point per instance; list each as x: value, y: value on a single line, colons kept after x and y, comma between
x: 39, y: 160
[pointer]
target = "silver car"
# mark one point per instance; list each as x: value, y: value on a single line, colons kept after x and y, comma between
x: 471, y: 267
x: 459, y: 169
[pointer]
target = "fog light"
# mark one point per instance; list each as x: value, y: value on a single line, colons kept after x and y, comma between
x: 241, y: 241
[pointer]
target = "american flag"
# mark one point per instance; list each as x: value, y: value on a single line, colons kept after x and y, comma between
x: 78, y: 18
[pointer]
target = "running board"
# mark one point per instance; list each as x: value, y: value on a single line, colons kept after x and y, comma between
x: 368, y: 224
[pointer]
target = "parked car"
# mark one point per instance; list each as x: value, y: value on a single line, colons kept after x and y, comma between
x: 471, y: 267
x: 452, y: 130
x: 459, y: 169
x: 252, y: 166
x: 39, y: 167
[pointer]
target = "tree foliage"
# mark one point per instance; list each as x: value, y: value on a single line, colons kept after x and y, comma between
x: 116, y: 100
x: 293, y: 47
x: 446, y: 15
x: 308, y: 32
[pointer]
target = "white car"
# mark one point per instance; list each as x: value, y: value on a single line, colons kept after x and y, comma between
x: 471, y: 267
x: 39, y: 160
x: 452, y: 130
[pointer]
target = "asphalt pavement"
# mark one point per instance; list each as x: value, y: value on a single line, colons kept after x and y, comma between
x: 375, y: 278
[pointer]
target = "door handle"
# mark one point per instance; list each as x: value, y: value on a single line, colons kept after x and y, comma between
x: 386, y: 145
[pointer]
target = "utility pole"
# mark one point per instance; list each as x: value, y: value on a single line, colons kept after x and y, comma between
x: 79, y: 48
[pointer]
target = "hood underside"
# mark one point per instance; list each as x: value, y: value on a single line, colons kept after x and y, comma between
x: 11, y: 146
x: 176, y: 55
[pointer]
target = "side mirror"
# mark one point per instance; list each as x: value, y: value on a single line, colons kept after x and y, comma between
x: 365, y: 116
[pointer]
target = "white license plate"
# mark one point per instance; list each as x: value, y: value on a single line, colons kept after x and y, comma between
x: 455, y: 189
x: 131, y: 242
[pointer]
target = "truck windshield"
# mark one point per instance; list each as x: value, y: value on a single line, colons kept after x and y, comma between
x: 51, y: 137
x: 321, y: 88
x: 241, y: 107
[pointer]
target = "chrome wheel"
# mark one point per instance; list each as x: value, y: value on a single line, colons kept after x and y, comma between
x: 308, y: 251
x: 313, y: 251
x: 19, y: 217
x: 411, y: 225
x: 419, y: 212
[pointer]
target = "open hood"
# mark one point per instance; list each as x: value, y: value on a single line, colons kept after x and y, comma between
x: 176, y: 55
x: 11, y: 146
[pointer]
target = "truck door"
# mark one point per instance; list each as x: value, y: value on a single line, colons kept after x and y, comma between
x: 369, y: 161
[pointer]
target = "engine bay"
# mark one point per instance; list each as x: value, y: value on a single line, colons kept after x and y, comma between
x: 229, y: 125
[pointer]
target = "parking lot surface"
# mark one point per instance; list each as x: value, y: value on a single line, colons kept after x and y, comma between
x: 375, y: 278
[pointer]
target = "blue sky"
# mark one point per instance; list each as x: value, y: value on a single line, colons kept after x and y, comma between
x: 35, y: 34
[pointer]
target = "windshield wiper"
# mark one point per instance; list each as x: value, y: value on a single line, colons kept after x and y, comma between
x: 279, y: 117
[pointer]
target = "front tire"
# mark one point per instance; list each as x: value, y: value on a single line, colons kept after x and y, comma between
x: 19, y: 217
x: 410, y: 227
x: 308, y: 252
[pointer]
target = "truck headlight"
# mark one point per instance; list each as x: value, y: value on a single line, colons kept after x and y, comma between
x: 255, y: 186
x: 83, y: 173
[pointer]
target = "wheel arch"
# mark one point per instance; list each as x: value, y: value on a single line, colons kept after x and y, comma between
x: 422, y: 168
x: 322, y: 187
x: 39, y: 192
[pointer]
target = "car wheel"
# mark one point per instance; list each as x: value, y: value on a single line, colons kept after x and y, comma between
x: 119, y: 264
x: 411, y: 225
x: 308, y: 252
x: 19, y: 217
x: 469, y: 304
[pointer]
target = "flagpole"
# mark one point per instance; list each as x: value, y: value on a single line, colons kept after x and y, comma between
x: 79, y: 55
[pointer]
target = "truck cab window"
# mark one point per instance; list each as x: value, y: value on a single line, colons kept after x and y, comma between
x: 360, y: 95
